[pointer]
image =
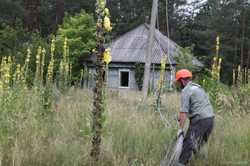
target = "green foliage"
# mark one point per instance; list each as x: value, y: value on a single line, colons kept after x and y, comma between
x: 229, y: 21
x: 215, y: 91
x: 10, y: 11
x: 139, y: 73
x: 225, y: 99
x: 49, y: 13
x: 80, y: 31
x: 11, y: 40
x: 185, y: 59
x: 14, y: 42
x: 240, y: 99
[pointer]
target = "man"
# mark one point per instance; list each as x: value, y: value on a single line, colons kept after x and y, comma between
x: 196, y: 106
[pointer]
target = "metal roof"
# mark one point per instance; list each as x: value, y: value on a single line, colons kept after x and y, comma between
x: 132, y: 46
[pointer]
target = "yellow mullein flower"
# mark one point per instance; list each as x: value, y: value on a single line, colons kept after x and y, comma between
x: 163, y: 64
x: 38, y: 62
x: 94, y: 50
x: 18, y: 72
x: 239, y: 69
x: 53, y: 46
x: 215, y: 59
x: 217, y: 44
x: 106, y: 11
x: 218, y: 40
x: 162, y: 74
x: 9, y: 60
x: 42, y: 64
x: 101, y: 4
x: 64, y: 65
x: 204, y: 82
x: 107, y: 24
x: 6, y: 71
x: 65, y: 42
x: 38, y: 55
x: 220, y: 60
x: 28, y: 55
x: 107, y: 56
x: 65, y: 46
x: 50, y: 72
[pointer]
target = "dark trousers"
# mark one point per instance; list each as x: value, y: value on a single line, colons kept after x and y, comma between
x: 197, y: 134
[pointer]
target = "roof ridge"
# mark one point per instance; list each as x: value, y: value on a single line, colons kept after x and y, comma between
x: 157, y: 31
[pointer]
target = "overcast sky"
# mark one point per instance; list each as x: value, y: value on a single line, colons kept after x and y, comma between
x: 194, y: 0
x: 190, y: 8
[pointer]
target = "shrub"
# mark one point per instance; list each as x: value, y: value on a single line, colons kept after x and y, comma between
x: 80, y: 31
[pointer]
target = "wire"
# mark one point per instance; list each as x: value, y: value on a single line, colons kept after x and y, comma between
x: 172, y: 70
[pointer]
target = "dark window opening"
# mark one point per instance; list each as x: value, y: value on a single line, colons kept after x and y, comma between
x: 124, y: 80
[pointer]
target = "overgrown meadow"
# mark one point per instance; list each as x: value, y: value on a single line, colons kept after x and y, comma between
x: 45, y: 120
x: 32, y: 134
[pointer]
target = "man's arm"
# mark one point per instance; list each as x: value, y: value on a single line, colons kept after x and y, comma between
x: 185, y: 106
x: 182, y: 119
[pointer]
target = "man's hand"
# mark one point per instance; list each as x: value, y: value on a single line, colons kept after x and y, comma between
x: 180, y: 132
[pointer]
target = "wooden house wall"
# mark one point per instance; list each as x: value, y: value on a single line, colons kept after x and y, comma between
x: 114, y: 78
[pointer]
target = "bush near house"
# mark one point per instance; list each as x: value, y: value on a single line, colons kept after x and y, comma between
x: 80, y: 30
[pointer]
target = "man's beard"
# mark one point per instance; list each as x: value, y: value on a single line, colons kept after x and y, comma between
x: 182, y: 86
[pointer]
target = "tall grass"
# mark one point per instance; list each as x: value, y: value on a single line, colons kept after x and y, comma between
x: 134, y: 134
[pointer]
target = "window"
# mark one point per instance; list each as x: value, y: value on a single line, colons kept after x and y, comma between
x: 124, y: 78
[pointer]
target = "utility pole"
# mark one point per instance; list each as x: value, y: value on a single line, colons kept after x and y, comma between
x: 149, y: 49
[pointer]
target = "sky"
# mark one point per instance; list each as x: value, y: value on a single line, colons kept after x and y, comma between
x: 192, y: 8
x: 192, y: 0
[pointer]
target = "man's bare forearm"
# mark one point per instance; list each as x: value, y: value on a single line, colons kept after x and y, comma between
x: 182, y: 119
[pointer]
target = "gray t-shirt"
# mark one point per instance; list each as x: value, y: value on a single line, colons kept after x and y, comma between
x: 195, y: 102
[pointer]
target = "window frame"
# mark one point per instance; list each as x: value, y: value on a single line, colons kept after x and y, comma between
x: 120, y: 74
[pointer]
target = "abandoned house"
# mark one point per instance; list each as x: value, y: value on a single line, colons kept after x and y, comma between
x: 129, y: 50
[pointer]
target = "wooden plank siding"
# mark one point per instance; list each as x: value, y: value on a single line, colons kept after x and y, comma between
x: 114, y: 78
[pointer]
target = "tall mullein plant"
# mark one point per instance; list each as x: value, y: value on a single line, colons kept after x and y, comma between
x: 6, y: 67
x: 38, y: 65
x: 215, y: 90
x: 50, y: 70
x: 103, y: 26
x: 216, y: 67
x: 161, y: 84
x: 64, y: 65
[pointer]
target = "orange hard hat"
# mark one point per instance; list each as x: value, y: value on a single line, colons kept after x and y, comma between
x: 183, y: 73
